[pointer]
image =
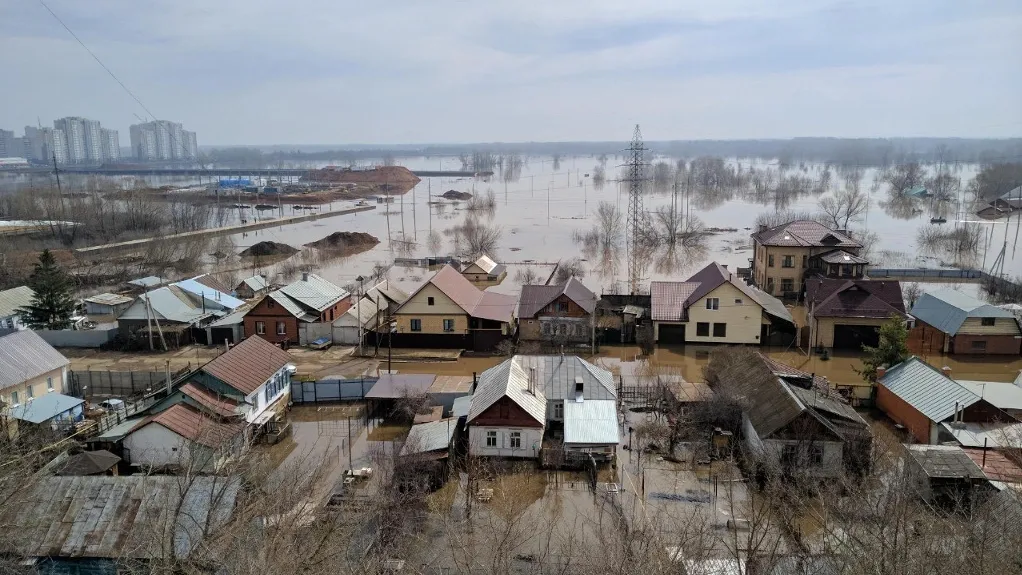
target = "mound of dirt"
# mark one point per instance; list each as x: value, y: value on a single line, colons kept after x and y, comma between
x: 346, y: 243
x: 398, y: 176
x: 456, y: 195
x: 263, y: 249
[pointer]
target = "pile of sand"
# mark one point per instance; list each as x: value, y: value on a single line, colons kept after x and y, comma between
x: 456, y: 195
x: 263, y: 249
x: 346, y: 243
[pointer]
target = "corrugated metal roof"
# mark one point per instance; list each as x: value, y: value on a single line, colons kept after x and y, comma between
x: 24, y: 355
x: 170, y: 304
x: 487, y: 264
x: 369, y: 309
x: 432, y: 436
x: 496, y: 307
x: 117, y: 432
x: 108, y: 299
x: 994, y: 434
x: 44, y: 408
x: 116, y: 517
x: 148, y: 281
x: 557, y: 374
x: 926, y: 389
x: 314, y: 292
x: 804, y: 233
x: 507, y: 379
x: 291, y: 306
x: 191, y: 424
x: 14, y: 298
x: 254, y: 283
x: 461, y: 406
x: 212, y: 297
x: 536, y: 297
x: 590, y: 422
x: 948, y: 309
x: 249, y: 364
x: 1002, y: 395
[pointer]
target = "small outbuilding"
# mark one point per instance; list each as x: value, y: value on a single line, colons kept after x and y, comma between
x: 107, y: 304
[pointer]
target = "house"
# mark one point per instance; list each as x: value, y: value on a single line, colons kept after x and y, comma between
x: 948, y: 321
x: 255, y: 375
x: 429, y: 447
x: 1006, y: 204
x: 115, y: 519
x: 375, y: 308
x: 29, y: 368
x: 100, y: 462
x: 447, y: 311
x: 848, y: 313
x: 107, y: 304
x: 945, y: 475
x: 1004, y: 395
x: 784, y: 255
x: 229, y: 328
x: 791, y: 422
x: 484, y: 272
x: 922, y: 398
x: 521, y: 406
x: 184, y: 437
x: 177, y: 313
x: 557, y: 314
x: 716, y: 306
x: 11, y: 300
x: 252, y: 287
x: 300, y: 312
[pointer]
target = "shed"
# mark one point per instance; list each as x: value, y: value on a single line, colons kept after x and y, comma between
x: 433, y: 438
x: 54, y: 408
x: 107, y: 304
x: 590, y: 423
x: 90, y: 463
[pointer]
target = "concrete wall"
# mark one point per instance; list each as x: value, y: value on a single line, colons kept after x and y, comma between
x: 78, y: 338
x: 309, y: 332
x: 744, y: 320
x: 532, y: 441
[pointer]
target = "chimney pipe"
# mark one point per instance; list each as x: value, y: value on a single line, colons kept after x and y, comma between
x: 881, y: 372
x: 474, y: 382
x: 169, y: 387
x: 984, y: 466
x: 946, y: 371
x: 305, y: 276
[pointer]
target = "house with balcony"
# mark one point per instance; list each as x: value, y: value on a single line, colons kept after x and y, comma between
x: 561, y: 314
x: 784, y: 255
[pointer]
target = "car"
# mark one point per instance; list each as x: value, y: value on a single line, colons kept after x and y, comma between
x: 113, y: 404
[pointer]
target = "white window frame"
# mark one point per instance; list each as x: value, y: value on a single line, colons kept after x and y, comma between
x: 448, y: 322
x: 491, y: 439
x: 260, y: 327
x: 515, y: 440
x: 281, y: 328
x: 713, y: 303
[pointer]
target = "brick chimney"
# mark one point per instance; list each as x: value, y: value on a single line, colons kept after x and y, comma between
x: 946, y: 371
x: 881, y: 372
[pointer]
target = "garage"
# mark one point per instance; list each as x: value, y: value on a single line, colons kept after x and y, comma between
x: 671, y: 334
x: 855, y: 336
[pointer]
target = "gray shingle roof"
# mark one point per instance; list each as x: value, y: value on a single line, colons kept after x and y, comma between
x: 804, y: 233
x: 507, y: 379
x: 948, y: 309
x: 24, y: 355
x: 14, y: 298
x: 945, y: 461
x: 432, y: 436
x: 590, y: 422
x: 536, y: 297
x: 314, y: 292
x: 927, y: 389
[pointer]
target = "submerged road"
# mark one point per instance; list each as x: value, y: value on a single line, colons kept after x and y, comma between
x: 143, y: 242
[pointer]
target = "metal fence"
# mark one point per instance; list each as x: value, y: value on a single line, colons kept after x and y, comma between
x: 89, y: 384
x: 928, y: 273
x: 331, y: 390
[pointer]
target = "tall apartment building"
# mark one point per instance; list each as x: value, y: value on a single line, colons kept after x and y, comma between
x: 163, y: 140
x: 143, y: 141
x: 41, y: 144
x: 74, y: 131
x: 111, y: 144
x: 10, y: 147
x: 93, y: 141
x: 191, y: 145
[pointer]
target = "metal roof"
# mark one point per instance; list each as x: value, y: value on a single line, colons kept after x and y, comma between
x: 926, y: 389
x: 236, y: 317
x: 44, y: 407
x: 948, y: 309
x: 865, y: 298
x: 169, y: 304
x: 89, y: 463
x: 489, y: 266
x: 842, y: 257
x: 389, y: 291
x: 536, y: 297
x: 590, y: 422
x: 117, y: 432
x: 397, y: 386
x: 249, y: 364
x: 507, y: 379
x: 670, y: 300
x: 367, y: 307
x: 108, y: 299
x: 24, y: 355
x: 432, y: 436
x: 218, y: 404
x: 461, y: 406
x: 211, y: 296
x: 148, y: 281
x: 291, y: 306
x: 557, y: 375
x: 314, y: 292
x: 948, y: 461
x: 193, y: 425
x: 496, y: 307
x: 255, y: 283
x: 982, y: 434
x: 476, y: 303
x: 14, y: 298
x: 1002, y: 395
x: 116, y: 517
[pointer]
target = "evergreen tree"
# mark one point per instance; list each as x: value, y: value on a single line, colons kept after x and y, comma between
x: 53, y: 303
x: 892, y: 349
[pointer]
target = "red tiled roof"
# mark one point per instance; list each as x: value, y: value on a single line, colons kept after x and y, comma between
x: 248, y: 365
x: 668, y: 299
x: 854, y: 298
x: 193, y: 425
x: 218, y: 404
x: 804, y: 233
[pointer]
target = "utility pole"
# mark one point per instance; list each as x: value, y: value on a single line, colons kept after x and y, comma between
x: 358, y: 312
x: 636, y: 178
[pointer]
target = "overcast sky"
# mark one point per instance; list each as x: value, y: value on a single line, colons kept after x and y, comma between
x: 340, y: 72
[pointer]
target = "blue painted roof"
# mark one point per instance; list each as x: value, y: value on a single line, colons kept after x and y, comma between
x: 45, y: 408
x: 948, y: 309
x: 212, y: 296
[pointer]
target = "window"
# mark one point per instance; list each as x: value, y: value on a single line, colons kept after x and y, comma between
x: 558, y: 410
x: 770, y: 261
x: 270, y: 303
x: 988, y: 321
x: 816, y: 455
x: 516, y: 440
x: 448, y: 325
x: 738, y: 301
x: 562, y: 306
x: 260, y: 327
x: 702, y: 329
x: 14, y: 398
x: 787, y: 285
x: 29, y: 392
x: 281, y: 328
x: 416, y: 324
x: 430, y: 300
x: 544, y: 328
x: 846, y: 270
x: 712, y: 303
x: 977, y: 345
x: 805, y: 262
x: 789, y: 455
x: 720, y: 330
x: 491, y: 439
x: 330, y: 315
x: 788, y: 261
x: 49, y: 384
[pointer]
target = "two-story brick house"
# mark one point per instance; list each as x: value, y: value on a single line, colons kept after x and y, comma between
x: 557, y: 314
x: 786, y: 254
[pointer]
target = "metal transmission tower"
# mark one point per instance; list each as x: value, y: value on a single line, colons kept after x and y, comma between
x: 636, y: 178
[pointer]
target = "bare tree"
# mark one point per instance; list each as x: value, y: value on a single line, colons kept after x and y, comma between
x: 844, y: 207
x: 904, y: 177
